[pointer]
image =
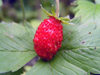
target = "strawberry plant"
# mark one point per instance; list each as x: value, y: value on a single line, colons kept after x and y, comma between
x: 77, y: 54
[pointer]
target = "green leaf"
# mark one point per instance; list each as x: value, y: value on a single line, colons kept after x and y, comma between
x: 85, y: 10
x: 16, y: 46
x: 48, y: 4
x: 80, y: 52
x: 58, y: 66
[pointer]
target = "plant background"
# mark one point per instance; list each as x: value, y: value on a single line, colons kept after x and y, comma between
x: 80, y: 51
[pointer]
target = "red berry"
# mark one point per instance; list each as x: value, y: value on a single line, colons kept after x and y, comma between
x: 48, y: 38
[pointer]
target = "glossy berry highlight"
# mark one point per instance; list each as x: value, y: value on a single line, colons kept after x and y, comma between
x: 48, y: 38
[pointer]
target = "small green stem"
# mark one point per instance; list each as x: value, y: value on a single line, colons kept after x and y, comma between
x: 23, y: 11
x: 57, y: 8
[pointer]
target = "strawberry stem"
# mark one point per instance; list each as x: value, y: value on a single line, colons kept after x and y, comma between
x: 23, y: 11
x: 57, y: 8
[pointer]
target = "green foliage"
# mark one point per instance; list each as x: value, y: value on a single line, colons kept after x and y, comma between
x: 48, y: 4
x: 85, y: 10
x: 16, y: 46
x: 80, y: 52
x: 64, y: 20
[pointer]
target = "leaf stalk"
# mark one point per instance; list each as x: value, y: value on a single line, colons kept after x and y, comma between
x: 23, y: 11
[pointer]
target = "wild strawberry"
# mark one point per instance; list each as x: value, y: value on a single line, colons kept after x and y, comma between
x: 48, y: 38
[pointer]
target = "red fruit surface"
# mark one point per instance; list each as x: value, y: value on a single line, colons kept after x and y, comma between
x: 48, y: 38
